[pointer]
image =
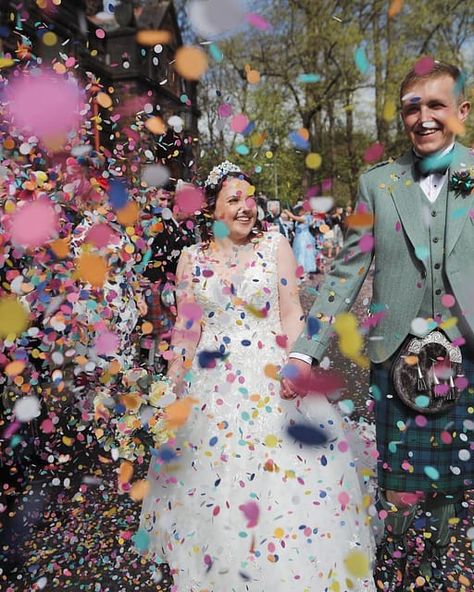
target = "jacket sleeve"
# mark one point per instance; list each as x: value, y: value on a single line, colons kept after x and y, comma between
x: 342, y: 283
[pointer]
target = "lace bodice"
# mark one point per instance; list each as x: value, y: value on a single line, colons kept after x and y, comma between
x: 241, y: 300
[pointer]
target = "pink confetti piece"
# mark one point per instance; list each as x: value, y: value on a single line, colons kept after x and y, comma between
x: 239, y: 123
x: 366, y: 243
x: 257, y: 21
x: 34, y: 224
x: 251, y: 511
x: 374, y: 152
x: 100, y: 33
x: 189, y: 199
x: 424, y: 65
x: 448, y: 300
x: 106, y: 343
x: 191, y: 311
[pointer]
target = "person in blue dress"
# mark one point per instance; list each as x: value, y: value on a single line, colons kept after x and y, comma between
x: 304, y: 243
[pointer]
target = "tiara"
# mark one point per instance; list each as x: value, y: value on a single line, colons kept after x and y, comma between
x: 219, y: 171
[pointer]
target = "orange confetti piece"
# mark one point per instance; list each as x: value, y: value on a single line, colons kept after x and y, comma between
x: 147, y: 328
x: 191, y: 62
x: 129, y: 214
x: 132, y: 401
x: 356, y: 220
x: 253, y: 76
x: 177, y: 413
x: 125, y: 472
x: 92, y: 269
x: 156, y: 126
x: 395, y: 7
x: 14, y: 368
x: 104, y: 100
x: 411, y: 360
x: 271, y: 371
x: 60, y: 247
x: 139, y: 490
x: 455, y: 125
x: 153, y: 37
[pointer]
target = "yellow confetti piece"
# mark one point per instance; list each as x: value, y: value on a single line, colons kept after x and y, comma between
x: 104, y: 100
x: 6, y: 62
x: 271, y: 441
x: 278, y: 533
x: 125, y: 471
x: 92, y: 269
x: 13, y: 317
x: 191, y: 62
x: 389, y: 110
x: 357, y: 564
x: 139, y: 490
x: 14, y: 368
x: 313, y: 160
x: 449, y: 323
x: 67, y: 440
x: 50, y: 39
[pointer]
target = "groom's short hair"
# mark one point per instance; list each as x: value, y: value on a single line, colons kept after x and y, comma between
x: 439, y: 69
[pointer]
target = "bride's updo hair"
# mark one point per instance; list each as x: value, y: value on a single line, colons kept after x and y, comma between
x: 211, y: 192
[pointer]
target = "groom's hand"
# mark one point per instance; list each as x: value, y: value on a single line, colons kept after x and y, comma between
x: 299, y: 372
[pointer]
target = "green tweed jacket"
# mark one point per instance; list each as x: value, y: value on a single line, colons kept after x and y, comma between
x: 400, y: 239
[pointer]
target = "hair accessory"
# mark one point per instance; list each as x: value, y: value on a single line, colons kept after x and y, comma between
x: 219, y: 171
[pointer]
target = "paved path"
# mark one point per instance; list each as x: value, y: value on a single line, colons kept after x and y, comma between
x: 81, y: 536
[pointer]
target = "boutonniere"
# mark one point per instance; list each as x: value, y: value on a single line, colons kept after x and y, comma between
x: 462, y: 181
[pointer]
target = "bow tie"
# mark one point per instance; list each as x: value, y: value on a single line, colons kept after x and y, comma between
x: 424, y: 168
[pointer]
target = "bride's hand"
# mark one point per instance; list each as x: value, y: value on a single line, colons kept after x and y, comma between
x: 289, y: 388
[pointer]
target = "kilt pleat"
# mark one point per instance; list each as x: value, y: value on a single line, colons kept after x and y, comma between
x: 418, y: 452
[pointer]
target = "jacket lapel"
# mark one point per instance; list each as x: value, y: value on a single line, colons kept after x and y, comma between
x: 459, y: 204
x: 406, y: 195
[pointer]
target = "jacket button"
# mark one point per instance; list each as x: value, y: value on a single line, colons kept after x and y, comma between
x: 436, y: 239
x: 438, y: 292
x: 433, y: 214
x: 437, y: 265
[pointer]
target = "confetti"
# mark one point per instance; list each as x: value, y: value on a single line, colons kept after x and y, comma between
x: 34, y: 224
x: 361, y: 60
x: 191, y: 62
x: 307, y: 434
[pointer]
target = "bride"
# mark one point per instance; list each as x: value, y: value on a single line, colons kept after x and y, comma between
x: 244, y: 506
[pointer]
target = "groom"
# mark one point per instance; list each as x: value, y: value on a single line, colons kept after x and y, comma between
x: 419, y: 210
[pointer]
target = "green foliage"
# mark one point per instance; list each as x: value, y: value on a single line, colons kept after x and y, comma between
x: 320, y: 37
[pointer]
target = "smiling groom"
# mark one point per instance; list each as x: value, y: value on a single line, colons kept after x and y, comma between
x: 421, y: 210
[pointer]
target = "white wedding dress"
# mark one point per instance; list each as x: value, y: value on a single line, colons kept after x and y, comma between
x: 236, y: 460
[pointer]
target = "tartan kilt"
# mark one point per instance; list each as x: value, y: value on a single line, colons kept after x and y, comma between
x: 410, y: 446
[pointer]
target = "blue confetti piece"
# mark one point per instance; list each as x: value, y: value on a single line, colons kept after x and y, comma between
x: 249, y: 129
x: 289, y: 371
x: 309, y: 78
x: 324, y: 460
x: 166, y: 454
x: 307, y: 434
x: 361, y: 60
x: 216, y: 53
x: 118, y: 195
x: 242, y: 149
x: 213, y: 441
x: 298, y: 141
x: 208, y: 359
x: 313, y: 325
x: 141, y: 540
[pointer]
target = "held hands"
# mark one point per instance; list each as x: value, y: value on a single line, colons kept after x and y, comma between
x: 300, y: 372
